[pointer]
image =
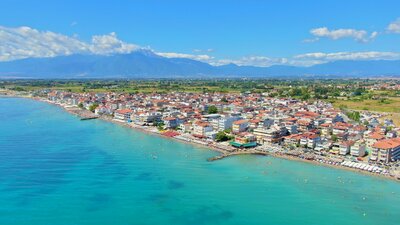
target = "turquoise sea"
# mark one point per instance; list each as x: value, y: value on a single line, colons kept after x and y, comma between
x: 58, y: 170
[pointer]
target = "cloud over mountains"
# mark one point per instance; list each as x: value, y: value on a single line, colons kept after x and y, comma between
x: 26, y: 42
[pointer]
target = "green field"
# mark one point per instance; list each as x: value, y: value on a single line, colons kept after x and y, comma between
x: 391, y: 105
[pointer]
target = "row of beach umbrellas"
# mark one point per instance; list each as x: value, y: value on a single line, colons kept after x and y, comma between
x: 363, y: 166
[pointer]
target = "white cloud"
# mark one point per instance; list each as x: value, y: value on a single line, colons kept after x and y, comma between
x: 109, y: 44
x: 394, y: 27
x: 358, y: 35
x: 26, y: 42
x: 311, y: 40
x: 262, y: 61
x: 203, y: 50
x: 309, y: 59
x: 372, y: 55
x: 204, y: 58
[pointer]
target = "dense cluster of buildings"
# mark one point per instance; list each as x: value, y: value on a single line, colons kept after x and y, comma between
x: 250, y: 119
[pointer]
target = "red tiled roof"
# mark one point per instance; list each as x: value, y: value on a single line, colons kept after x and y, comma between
x: 169, y: 118
x: 294, y: 136
x: 348, y: 143
x: 310, y: 135
x: 238, y: 122
x: 341, y: 124
x: 387, y: 143
x: 376, y: 135
x: 124, y: 111
x: 202, y: 124
x: 303, y: 122
x: 326, y: 125
x: 306, y: 114
x: 359, y: 128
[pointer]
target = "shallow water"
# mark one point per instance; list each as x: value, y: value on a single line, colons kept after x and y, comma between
x: 56, y: 169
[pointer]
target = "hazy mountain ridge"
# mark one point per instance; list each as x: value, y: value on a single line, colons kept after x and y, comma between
x: 145, y: 64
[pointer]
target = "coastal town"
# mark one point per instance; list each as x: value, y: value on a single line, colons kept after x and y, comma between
x: 250, y: 123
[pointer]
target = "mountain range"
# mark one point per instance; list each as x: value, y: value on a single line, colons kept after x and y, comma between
x: 146, y: 64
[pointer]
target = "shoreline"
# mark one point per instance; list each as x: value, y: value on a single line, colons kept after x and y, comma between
x: 214, y: 148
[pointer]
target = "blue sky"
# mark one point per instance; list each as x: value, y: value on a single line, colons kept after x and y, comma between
x: 244, y: 32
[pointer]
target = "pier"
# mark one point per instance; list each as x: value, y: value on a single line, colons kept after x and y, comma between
x: 228, y: 154
x: 83, y: 114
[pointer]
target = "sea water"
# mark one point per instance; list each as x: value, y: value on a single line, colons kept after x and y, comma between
x: 58, y: 170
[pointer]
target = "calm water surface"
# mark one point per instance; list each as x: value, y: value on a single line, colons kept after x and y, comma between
x: 56, y: 169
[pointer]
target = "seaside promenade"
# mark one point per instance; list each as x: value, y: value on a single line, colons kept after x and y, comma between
x: 226, y: 150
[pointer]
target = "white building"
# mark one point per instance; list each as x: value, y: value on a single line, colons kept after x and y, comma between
x: 357, y: 150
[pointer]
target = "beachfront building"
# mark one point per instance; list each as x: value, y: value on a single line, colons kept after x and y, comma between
x: 144, y: 118
x: 185, y: 127
x: 309, y: 140
x: 240, y: 126
x: 244, y: 140
x: 293, y: 140
x: 123, y: 114
x: 358, y: 149
x: 387, y: 150
x: 100, y: 110
x: 335, y: 148
x: 269, y: 136
x: 170, y: 122
x: 201, y: 128
x: 323, y: 145
x: 345, y: 146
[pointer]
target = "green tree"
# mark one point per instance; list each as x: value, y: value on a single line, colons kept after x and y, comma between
x: 93, y: 107
x: 342, y: 107
x: 222, y: 136
x: 334, y: 137
x: 18, y: 89
x: 228, y: 131
x: 160, y: 126
x: 212, y: 109
x: 80, y: 105
x: 305, y: 96
x: 354, y: 116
